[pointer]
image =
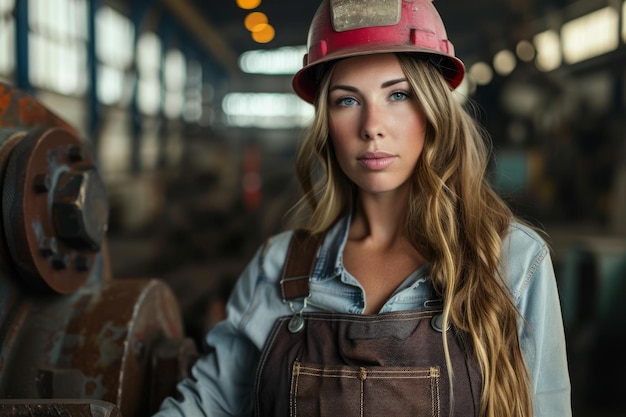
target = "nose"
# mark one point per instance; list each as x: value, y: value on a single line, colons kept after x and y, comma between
x: 372, y: 123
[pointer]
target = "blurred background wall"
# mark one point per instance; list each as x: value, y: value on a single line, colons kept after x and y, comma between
x: 188, y: 107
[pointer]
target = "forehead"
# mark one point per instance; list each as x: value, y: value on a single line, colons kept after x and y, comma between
x: 374, y: 66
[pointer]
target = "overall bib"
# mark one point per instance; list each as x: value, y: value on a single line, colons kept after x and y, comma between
x: 351, y: 365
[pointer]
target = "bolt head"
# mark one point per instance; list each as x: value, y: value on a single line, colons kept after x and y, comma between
x: 80, y: 209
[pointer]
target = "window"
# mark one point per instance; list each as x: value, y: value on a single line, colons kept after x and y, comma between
x: 7, y: 38
x: 148, y: 65
x: 175, y: 74
x: 57, y: 45
x: 115, y: 36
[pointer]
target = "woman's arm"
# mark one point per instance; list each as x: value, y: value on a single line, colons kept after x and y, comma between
x: 541, y: 331
x: 221, y: 381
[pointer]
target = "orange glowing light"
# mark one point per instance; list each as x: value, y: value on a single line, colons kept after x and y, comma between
x: 264, y: 34
x: 255, y: 21
x: 248, y: 4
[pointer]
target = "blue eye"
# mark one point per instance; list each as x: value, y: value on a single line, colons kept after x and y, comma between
x: 399, y: 96
x: 346, y: 101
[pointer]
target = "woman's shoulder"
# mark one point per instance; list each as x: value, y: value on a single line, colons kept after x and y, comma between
x: 277, y: 242
x: 272, y: 254
x: 525, y: 239
x: 523, y: 252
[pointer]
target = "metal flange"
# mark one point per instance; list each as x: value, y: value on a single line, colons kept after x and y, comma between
x: 54, y: 211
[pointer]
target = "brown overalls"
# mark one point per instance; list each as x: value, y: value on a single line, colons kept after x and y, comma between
x: 347, y: 365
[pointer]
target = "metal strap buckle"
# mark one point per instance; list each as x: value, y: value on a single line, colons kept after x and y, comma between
x: 296, y: 323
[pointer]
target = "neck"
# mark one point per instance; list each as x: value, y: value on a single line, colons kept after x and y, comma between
x: 379, y: 218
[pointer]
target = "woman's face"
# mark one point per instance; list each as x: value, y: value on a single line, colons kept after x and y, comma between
x: 376, y: 125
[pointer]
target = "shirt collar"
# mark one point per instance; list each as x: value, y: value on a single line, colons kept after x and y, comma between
x: 330, y: 256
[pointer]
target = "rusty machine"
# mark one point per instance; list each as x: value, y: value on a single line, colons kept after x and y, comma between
x: 74, y: 341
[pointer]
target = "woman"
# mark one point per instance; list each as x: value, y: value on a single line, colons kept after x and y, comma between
x: 412, y: 289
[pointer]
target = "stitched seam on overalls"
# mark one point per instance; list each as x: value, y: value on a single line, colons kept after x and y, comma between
x: 295, y: 374
x: 362, y: 373
x: 261, y: 365
x: 327, y: 373
x: 362, y: 378
x: 399, y: 373
x: 407, y: 316
x: 434, y: 388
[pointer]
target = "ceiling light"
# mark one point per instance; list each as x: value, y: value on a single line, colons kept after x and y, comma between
x: 481, y: 73
x: 248, y: 4
x: 285, y: 60
x: 504, y: 62
x: 266, y: 110
x: 591, y: 35
x: 525, y: 51
x: 255, y: 20
x: 548, y: 47
x: 263, y: 33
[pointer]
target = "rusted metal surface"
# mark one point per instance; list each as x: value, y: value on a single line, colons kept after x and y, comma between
x: 73, y: 340
x: 55, y: 210
x: 121, y: 342
x: 19, y: 109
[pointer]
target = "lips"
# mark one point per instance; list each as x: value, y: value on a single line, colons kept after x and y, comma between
x: 376, y: 161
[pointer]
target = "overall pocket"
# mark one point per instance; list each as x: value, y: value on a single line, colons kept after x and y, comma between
x: 353, y: 391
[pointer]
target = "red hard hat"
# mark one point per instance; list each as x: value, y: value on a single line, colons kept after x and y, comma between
x: 344, y: 28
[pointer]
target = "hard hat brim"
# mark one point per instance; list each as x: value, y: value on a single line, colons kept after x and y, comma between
x: 306, y: 81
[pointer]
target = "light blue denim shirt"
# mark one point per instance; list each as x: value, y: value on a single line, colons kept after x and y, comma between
x: 223, y: 380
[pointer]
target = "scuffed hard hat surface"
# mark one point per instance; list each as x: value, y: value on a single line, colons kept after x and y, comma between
x: 355, y: 14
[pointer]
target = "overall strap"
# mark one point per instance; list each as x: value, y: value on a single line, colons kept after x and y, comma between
x: 299, y: 264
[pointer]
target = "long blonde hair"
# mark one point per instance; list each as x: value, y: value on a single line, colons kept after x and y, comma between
x: 454, y: 219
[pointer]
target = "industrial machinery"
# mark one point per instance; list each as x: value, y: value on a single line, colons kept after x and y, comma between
x: 74, y: 341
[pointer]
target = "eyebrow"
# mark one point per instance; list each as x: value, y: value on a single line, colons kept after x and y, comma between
x: 392, y: 82
x: 383, y: 85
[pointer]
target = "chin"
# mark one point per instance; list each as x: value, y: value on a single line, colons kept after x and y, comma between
x: 379, y: 188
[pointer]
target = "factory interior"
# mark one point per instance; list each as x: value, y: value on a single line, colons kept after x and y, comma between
x: 184, y: 113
